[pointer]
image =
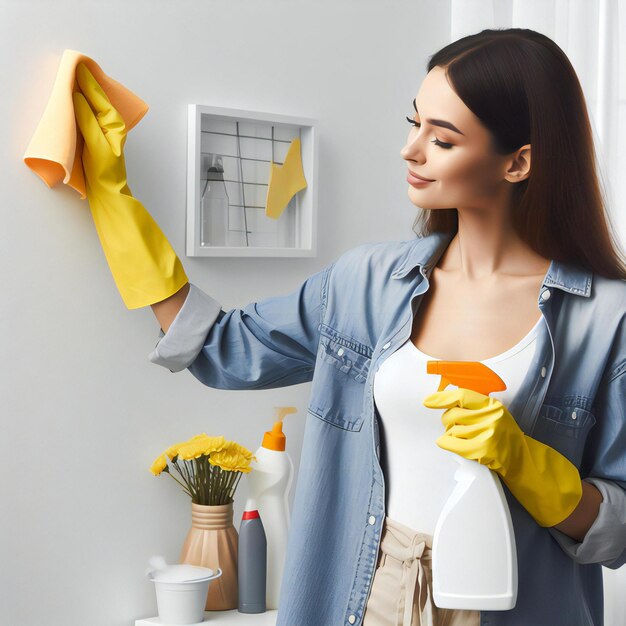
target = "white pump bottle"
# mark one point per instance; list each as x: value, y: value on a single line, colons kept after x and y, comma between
x: 269, y: 482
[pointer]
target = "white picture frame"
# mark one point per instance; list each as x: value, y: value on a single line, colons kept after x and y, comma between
x: 221, y: 137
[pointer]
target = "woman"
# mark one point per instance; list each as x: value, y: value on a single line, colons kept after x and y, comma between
x: 521, y: 272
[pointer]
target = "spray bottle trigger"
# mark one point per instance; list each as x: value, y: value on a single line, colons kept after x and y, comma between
x: 443, y: 383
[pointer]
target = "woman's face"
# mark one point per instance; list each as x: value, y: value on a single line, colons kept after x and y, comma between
x: 465, y: 171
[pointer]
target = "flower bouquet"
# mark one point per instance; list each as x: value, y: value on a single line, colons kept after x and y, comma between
x: 210, y: 469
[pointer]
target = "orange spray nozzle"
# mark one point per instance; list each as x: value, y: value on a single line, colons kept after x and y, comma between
x: 472, y: 375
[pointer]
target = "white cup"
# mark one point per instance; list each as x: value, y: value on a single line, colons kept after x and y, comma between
x: 181, y: 593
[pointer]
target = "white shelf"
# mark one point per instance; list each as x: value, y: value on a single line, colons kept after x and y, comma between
x: 224, y: 618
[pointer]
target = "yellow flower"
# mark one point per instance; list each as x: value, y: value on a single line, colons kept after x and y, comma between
x: 232, y: 458
x: 159, y: 465
x: 199, y: 445
x: 172, y: 451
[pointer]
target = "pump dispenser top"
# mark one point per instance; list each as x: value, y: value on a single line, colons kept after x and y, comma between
x: 275, y: 439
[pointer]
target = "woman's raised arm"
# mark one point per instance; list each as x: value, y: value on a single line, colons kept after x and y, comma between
x: 166, y: 310
x: 144, y: 265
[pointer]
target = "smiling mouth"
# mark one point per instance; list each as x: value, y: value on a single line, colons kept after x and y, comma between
x: 415, y: 179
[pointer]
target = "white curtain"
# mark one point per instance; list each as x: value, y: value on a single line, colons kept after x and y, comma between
x: 588, y: 31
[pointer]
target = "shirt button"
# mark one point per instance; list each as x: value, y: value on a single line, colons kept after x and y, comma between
x: 545, y: 295
x: 386, y: 345
x: 352, y: 619
x: 340, y: 351
x: 543, y: 372
x: 372, y: 519
x: 574, y: 415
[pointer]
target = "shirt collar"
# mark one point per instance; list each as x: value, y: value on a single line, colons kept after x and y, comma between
x: 425, y: 251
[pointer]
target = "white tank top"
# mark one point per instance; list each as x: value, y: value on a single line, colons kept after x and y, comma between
x: 420, y: 474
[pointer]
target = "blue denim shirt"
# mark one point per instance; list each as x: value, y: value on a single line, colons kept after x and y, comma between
x: 335, y: 330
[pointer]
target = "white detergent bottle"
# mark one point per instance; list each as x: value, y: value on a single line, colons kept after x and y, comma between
x: 269, y: 482
x: 474, y: 558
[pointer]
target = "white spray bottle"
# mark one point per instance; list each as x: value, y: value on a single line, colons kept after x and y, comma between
x: 474, y: 558
x: 269, y: 482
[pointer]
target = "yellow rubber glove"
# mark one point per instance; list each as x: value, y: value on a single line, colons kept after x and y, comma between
x: 481, y: 428
x: 143, y: 263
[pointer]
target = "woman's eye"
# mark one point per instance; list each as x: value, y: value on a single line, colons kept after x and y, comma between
x: 447, y: 146
x: 436, y: 141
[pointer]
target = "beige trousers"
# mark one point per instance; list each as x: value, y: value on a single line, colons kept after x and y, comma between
x: 401, y: 592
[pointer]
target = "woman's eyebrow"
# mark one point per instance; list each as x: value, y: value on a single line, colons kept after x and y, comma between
x: 441, y: 123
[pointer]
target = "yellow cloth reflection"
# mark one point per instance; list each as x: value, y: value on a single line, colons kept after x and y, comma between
x: 285, y: 181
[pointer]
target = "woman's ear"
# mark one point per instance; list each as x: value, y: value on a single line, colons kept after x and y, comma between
x: 519, y: 168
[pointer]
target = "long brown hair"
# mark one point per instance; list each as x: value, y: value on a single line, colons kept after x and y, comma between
x: 523, y: 88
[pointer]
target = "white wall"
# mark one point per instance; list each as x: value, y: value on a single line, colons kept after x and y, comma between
x: 84, y: 412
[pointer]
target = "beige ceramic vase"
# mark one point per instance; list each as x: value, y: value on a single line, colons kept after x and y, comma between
x: 212, y: 541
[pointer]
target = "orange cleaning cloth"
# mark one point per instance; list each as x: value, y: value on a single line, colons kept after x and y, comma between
x: 55, y: 150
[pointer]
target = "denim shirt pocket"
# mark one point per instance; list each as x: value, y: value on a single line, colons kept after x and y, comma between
x: 338, y: 389
x: 564, y: 426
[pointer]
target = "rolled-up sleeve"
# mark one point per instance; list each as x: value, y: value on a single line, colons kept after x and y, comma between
x: 604, y: 466
x: 184, y: 339
x: 606, y: 537
x: 266, y: 344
